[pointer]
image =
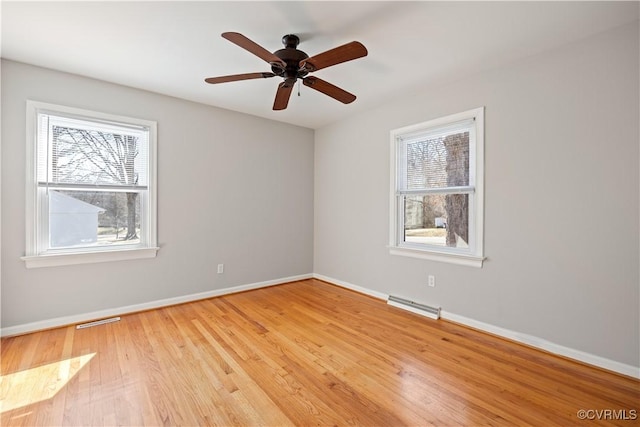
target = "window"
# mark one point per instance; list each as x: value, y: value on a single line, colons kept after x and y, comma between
x: 91, y: 193
x: 437, y: 189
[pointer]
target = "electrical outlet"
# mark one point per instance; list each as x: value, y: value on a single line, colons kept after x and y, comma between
x: 432, y: 281
x: 220, y: 268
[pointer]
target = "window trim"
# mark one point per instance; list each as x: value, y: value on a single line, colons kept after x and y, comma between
x: 476, y: 209
x: 34, y: 259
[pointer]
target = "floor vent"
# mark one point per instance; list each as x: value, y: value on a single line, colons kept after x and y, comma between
x: 414, y: 307
x: 98, y: 322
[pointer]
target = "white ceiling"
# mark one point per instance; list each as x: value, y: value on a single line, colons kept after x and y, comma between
x: 170, y: 47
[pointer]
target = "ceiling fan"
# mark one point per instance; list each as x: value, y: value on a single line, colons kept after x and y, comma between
x: 292, y: 64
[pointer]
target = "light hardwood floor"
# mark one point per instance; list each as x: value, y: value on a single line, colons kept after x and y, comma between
x: 304, y: 353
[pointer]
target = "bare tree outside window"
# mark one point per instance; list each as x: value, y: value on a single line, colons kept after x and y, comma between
x: 438, y: 163
x: 457, y: 205
x: 99, y: 158
x: 426, y: 162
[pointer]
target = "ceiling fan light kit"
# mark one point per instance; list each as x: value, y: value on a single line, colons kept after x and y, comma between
x: 292, y: 64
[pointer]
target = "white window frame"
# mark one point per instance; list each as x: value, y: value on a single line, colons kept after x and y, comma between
x: 36, y: 225
x: 472, y: 256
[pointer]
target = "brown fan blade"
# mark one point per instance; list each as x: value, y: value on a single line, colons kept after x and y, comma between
x: 236, y: 77
x: 328, y: 89
x: 253, y: 47
x: 338, y: 55
x: 282, y: 96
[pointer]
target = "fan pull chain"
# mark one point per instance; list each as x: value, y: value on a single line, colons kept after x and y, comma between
x: 298, y: 87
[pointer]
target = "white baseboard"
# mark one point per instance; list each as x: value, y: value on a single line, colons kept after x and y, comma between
x: 351, y: 286
x: 551, y: 347
x: 101, y: 314
x: 530, y: 340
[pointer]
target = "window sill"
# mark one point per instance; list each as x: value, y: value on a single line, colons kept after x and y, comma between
x: 55, y: 260
x: 451, y: 258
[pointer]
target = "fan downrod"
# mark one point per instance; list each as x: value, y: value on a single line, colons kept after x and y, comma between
x: 291, y: 40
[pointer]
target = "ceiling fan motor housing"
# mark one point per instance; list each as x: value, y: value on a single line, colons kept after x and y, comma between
x: 291, y: 56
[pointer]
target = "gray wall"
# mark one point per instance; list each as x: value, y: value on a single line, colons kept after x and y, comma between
x: 232, y: 189
x: 561, y: 198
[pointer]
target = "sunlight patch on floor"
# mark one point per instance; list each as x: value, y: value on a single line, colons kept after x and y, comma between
x: 37, y: 384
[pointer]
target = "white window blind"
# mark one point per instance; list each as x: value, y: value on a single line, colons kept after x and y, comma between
x: 74, y: 151
x: 435, y: 159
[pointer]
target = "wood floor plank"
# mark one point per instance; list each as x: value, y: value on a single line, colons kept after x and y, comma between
x: 304, y: 353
